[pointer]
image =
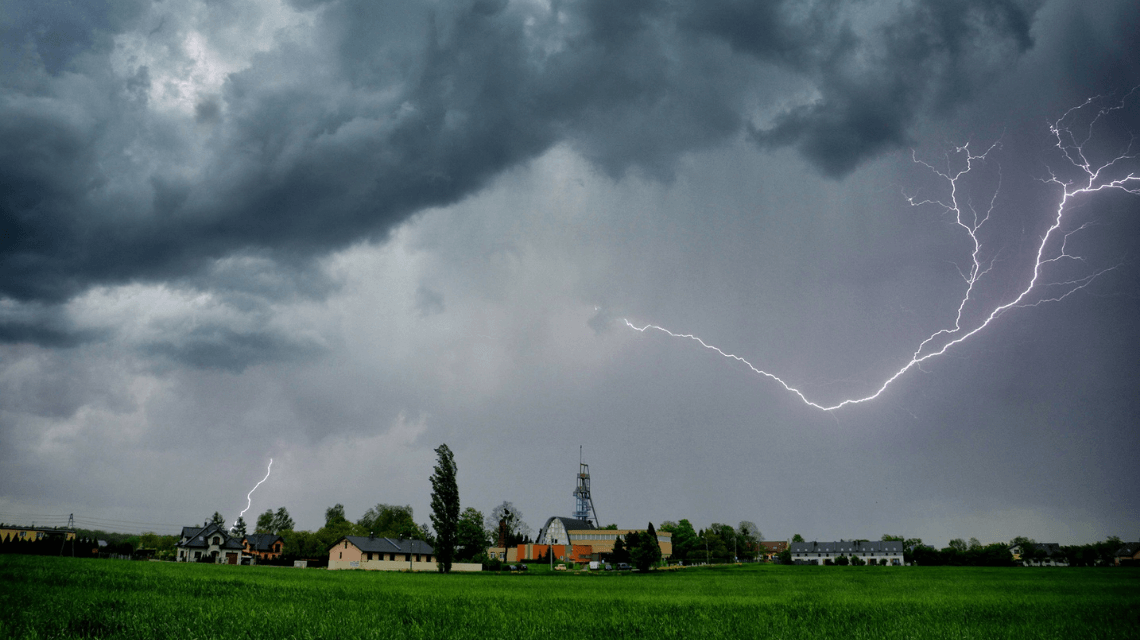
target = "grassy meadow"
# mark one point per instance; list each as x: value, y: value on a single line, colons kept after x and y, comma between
x: 49, y: 597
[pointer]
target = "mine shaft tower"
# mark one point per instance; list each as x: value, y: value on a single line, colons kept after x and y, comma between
x: 583, y: 503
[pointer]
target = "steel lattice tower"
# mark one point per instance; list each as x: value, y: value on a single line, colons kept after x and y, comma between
x: 583, y: 503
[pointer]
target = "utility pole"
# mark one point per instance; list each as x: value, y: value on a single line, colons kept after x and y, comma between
x: 70, y: 526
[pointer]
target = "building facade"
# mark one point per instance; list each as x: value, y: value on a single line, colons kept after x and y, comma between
x: 209, y: 543
x: 13, y: 533
x: 769, y: 549
x: 1039, y: 554
x: 388, y: 554
x: 264, y: 546
x: 888, y: 553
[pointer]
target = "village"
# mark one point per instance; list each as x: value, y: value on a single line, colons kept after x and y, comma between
x: 387, y: 538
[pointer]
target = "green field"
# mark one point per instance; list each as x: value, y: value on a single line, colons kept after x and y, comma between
x: 47, y: 597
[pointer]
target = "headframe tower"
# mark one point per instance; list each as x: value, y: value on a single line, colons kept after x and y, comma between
x: 583, y: 503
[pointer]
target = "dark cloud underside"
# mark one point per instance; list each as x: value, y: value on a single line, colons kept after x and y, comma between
x: 325, y: 140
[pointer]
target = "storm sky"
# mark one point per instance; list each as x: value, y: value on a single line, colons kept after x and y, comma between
x: 339, y: 233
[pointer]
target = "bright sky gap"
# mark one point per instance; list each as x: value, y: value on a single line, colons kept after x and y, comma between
x: 1072, y: 145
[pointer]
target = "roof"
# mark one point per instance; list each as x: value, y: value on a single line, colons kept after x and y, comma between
x: 196, y: 537
x: 1128, y: 550
x: 262, y: 541
x: 1050, y: 548
x: 386, y: 545
x: 848, y: 546
x: 568, y: 525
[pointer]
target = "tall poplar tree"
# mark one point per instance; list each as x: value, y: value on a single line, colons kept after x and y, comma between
x: 444, y: 508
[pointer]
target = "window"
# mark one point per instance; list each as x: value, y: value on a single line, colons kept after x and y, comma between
x: 340, y: 555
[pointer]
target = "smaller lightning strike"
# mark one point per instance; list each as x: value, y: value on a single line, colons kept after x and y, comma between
x: 1051, y: 250
x: 249, y: 496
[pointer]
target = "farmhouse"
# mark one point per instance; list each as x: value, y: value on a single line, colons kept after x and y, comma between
x: 263, y: 546
x: 771, y: 548
x: 872, y: 552
x: 1128, y: 555
x: 1039, y: 554
x: 387, y: 554
x: 209, y: 543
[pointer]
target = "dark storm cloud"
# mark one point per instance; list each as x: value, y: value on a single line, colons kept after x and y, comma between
x: 389, y: 110
x: 932, y: 56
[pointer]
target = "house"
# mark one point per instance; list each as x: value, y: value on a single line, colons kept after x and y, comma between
x: 263, y: 546
x: 388, y: 554
x: 769, y: 549
x: 877, y: 552
x: 1039, y: 554
x: 209, y: 543
x: 506, y: 554
x: 1128, y: 555
x: 14, y: 533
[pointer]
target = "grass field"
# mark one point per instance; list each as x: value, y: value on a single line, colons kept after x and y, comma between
x: 46, y: 597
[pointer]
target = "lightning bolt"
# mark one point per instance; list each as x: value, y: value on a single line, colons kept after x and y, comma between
x: 249, y: 496
x: 1051, y: 249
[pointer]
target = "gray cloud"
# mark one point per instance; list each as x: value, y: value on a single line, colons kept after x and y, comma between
x: 338, y: 233
x: 321, y: 141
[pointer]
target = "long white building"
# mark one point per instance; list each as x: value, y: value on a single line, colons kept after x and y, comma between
x: 876, y: 552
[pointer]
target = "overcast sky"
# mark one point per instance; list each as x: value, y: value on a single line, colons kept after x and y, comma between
x: 339, y: 233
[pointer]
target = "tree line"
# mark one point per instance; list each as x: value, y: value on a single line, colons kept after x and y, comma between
x: 716, y: 544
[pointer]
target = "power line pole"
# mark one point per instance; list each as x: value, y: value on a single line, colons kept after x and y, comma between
x: 70, y: 526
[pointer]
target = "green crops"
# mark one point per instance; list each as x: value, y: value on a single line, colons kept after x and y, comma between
x: 47, y: 597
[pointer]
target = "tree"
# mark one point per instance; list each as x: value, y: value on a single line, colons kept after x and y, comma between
x: 620, y: 554
x: 958, y: 544
x: 471, y: 538
x: 444, y: 508
x: 264, y: 522
x: 282, y: 521
x: 645, y: 552
x: 334, y: 515
x: 909, y: 545
x: 797, y: 538
x: 218, y: 520
x: 748, y: 538
x: 685, y: 538
x: 974, y: 544
x: 719, y: 540
x: 389, y: 521
x: 238, y: 529
x: 512, y: 518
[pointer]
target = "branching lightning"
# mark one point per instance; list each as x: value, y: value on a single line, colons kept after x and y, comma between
x: 1051, y: 249
x: 249, y: 496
